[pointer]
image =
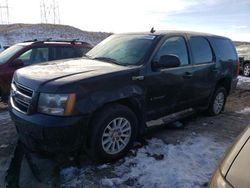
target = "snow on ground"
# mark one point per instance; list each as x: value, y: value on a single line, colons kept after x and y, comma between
x: 243, y: 82
x: 244, y: 111
x: 157, y: 164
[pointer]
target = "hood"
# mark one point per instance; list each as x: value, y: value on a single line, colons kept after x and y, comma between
x: 64, y: 72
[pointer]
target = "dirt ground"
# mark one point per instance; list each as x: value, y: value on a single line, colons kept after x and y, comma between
x: 224, y: 128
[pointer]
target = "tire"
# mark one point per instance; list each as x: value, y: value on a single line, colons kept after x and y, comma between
x: 246, y: 69
x: 217, y: 103
x: 108, y: 143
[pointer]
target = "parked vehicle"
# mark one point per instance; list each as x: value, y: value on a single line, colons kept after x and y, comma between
x: 244, y: 57
x: 234, y: 168
x: 32, y: 52
x: 102, y: 102
x: 245, y: 65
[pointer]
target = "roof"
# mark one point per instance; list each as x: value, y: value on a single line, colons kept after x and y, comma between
x: 166, y: 32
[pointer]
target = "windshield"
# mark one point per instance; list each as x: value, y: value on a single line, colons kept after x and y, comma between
x: 9, y: 52
x: 122, y: 49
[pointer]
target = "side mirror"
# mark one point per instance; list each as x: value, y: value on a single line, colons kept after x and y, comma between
x: 168, y: 61
x: 17, y: 63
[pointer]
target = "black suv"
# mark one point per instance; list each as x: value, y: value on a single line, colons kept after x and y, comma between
x: 102, y: 102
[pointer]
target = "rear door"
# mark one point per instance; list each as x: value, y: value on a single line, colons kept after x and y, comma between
x: 204, y: 70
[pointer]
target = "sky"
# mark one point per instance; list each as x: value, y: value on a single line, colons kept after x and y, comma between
x: 229, y: 18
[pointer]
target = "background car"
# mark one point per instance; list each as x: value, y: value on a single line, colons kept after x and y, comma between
x: 234, y: 169
x: 32, y: 52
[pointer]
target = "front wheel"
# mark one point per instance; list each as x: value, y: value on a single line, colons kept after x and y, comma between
x: 246, y: 69
x: 114, y: 131
x: 218, y: 101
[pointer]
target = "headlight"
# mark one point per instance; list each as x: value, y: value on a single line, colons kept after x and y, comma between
x: 56, y: 104
x: 218, y: 181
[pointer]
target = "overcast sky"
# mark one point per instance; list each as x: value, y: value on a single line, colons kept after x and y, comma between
x: 224, y: 17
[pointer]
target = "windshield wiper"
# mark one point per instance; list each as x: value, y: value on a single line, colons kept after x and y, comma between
x: 107, y: 59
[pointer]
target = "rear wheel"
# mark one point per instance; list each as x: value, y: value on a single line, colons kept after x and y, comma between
x: 217, y: 102
x: 114, y: 131
x: 246, y: 69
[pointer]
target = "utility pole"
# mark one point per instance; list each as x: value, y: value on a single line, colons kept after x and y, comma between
x: 49, y: 10
x: 4, y: 12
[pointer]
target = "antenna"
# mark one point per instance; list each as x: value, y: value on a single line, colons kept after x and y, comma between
x: 152, y: 30
x: 4, y: 12
x: 49, y: 10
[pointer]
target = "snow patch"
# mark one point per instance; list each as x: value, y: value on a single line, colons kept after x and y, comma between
x: 242, y: 80
x: 189, y: 164
x: 69, y: 173
x: 157, y: 164
x: 107, y: 182
x: 244, y: 111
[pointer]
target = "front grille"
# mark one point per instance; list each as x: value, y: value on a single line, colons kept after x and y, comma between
x: 20, y: 97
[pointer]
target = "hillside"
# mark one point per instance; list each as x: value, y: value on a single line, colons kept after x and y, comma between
x: 14, y: 33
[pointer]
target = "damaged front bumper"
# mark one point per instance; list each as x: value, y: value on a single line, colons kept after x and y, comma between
x: 50, y: 134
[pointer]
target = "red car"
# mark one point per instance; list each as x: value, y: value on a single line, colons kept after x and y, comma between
x: 32, y: 52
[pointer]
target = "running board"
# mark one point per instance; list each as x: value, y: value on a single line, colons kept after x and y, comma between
x: 170, y: 118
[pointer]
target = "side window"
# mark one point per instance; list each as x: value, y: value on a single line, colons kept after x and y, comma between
x: 68, y: 52
x: 25, y: 57
x: 174, y: 46
x: 81, y: 51
x: 35, y: 55
x: 201, y: 50
x: 224, y: 49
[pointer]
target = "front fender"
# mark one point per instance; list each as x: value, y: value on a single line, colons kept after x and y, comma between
x: 97, y: 99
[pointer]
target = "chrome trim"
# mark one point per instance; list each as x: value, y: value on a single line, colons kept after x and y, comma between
x: 188, y: 66
x: 17, y: 97
x: 17, y: 109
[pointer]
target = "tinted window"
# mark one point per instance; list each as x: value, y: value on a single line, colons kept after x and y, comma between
x: 81, y: 51
x: 65, y: 52
x: 35, y: 55
x: 224, y: 49
x: 174, y: 46
x: 201, y: 50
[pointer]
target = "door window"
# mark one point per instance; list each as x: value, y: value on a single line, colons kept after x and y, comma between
x: 201, y: 50
x: 174, y: 46
x: 35, y: 55
x: 62, y: 52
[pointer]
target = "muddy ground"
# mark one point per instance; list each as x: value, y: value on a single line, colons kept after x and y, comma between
x: 224, y: 128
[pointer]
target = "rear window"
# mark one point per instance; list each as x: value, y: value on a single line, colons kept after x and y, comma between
x: 224, y: 49
x: 201, y: 50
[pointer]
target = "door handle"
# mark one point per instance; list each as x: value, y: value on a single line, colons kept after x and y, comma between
x: 214, y: 69
x: 137, y: 77
x: 187, y: 75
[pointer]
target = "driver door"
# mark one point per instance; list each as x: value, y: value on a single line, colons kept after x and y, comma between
x: 166, y: 85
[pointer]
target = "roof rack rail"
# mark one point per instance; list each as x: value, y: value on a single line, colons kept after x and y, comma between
x: 72, y: 41
x: 37, y: 40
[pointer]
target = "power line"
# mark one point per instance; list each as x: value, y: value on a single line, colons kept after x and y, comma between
x: 4, y: 12
x: 49, y: 10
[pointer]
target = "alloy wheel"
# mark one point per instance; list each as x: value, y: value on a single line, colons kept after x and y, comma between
x: 116, y: 135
